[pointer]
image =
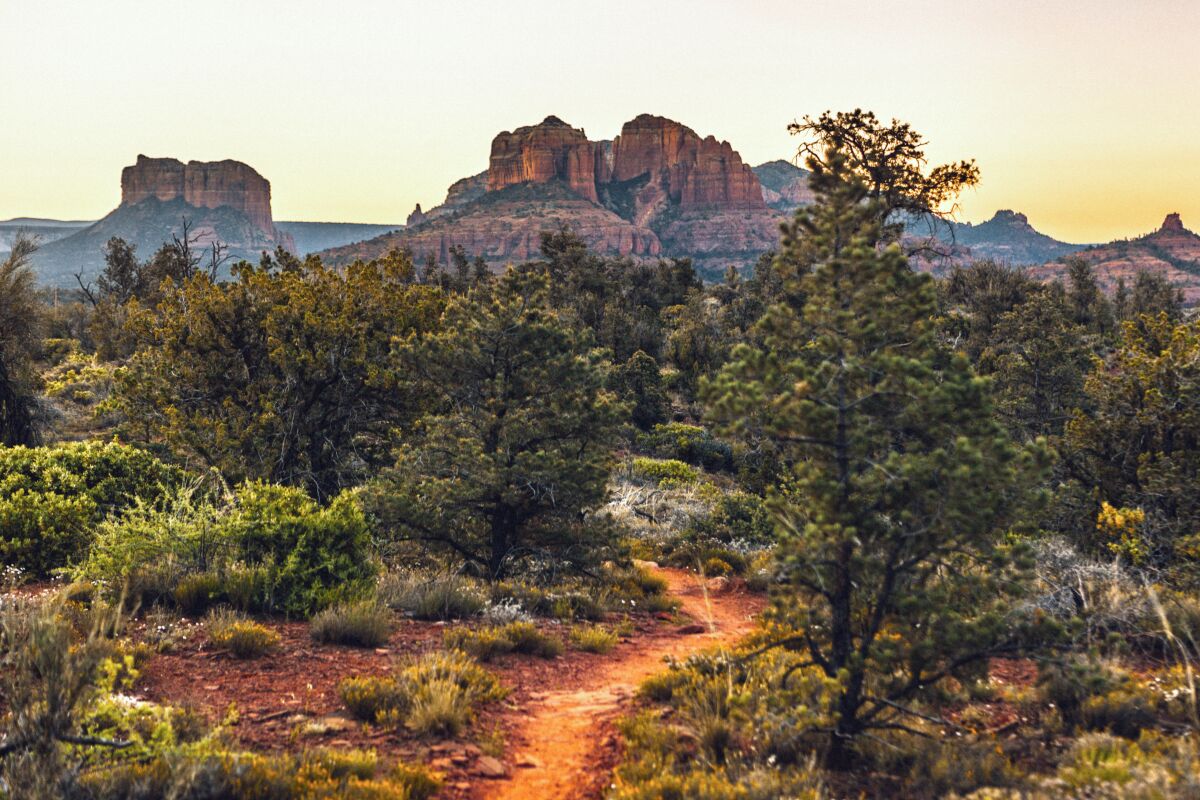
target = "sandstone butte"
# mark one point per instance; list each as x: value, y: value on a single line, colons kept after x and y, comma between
x: 223, y: 201
x: 1172, y: 250
x: 658, y: 188
x: 201, y: 184
x: 204, y: 185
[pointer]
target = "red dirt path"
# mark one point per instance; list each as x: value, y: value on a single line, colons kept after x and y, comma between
x: 566, y: 732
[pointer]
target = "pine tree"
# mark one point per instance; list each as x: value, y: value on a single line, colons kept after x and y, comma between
x: 518, y: 446
x: 1138, y: 443
x: 901, y: 485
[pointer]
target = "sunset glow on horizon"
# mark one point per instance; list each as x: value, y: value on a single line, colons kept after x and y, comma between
x: 1082, y: 116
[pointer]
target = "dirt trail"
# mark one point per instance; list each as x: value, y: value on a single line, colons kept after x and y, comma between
x: 563, y: 727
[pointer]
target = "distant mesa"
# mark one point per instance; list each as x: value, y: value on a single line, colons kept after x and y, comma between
x: 658, y: 188
x: 201, y: 184
x: 223, y: 201
x: 1007, y: 238
x: 1172, y: 251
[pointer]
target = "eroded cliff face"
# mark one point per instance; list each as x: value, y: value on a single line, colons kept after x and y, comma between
x: 202, y: 184
x: 540, y: 153
x: 690, y: 172
x: 674, y: 166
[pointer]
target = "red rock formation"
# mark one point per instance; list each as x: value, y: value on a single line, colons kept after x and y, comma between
x: 657, y: 188
x: 1172, y: 250
x: 689, y: 171
x: 542, y: 153
x: 210, y: 184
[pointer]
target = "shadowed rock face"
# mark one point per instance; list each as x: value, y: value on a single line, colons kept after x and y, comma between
x: 201, y: 184
x: 688, y: 171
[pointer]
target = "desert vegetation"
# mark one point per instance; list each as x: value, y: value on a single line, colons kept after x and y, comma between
x: 309, y: 531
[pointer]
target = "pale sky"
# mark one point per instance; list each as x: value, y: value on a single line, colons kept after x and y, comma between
x: 1084, y: 115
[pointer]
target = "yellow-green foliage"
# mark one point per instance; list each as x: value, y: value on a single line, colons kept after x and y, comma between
x: 197, y: 592
x: 1155, y: 767
x: 527, y: 639
x: 515, y: 637
x: 666, y: 472
x: 737, y: 729
x: 433, y: 695
x: 210, y: 772
x: 593, y: 638
x: 52, y: 497
x: 270, y: 548
x: 689, y: 443
x: 78, y: 378
x: 371, y: 698
x: 1120, y: 531
x: 484, y: 644
x: 242, y: 637
x: 656, y: 769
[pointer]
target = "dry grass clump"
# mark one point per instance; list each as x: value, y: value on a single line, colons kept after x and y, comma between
x: 365, y: 623
x: 242, y: 637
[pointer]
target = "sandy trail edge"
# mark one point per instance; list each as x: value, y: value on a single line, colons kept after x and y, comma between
x: 562, y: 727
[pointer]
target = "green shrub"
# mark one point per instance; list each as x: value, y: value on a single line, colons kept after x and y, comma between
x: 688, y: 443
x: 111, y: 475
x: 196, y: 593
x: 737, y: 517
x: 431, y: 598
x: 372, y: 699
x: 248, y: 588
x: 271, y: 549
x: 433, y: 695
x: 639, y: 589
x: 52, y: 497
x: 515, y: 637
x: 149, y: 549
x: 361, y: 624
x: 42, y: 531
x: 664, y: 472
x: 476, y: 682
x: 593, y: 639
x: 205, y: 773
x: 484, y: 644
x: 320, y: 554
x: 242, y: 637
x: 527, y: 639
x: 661, y: 686
x: 438, y: 707
x: 1066, y: 686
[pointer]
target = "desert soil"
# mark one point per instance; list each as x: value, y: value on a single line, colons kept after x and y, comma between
x: 557, y: 728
